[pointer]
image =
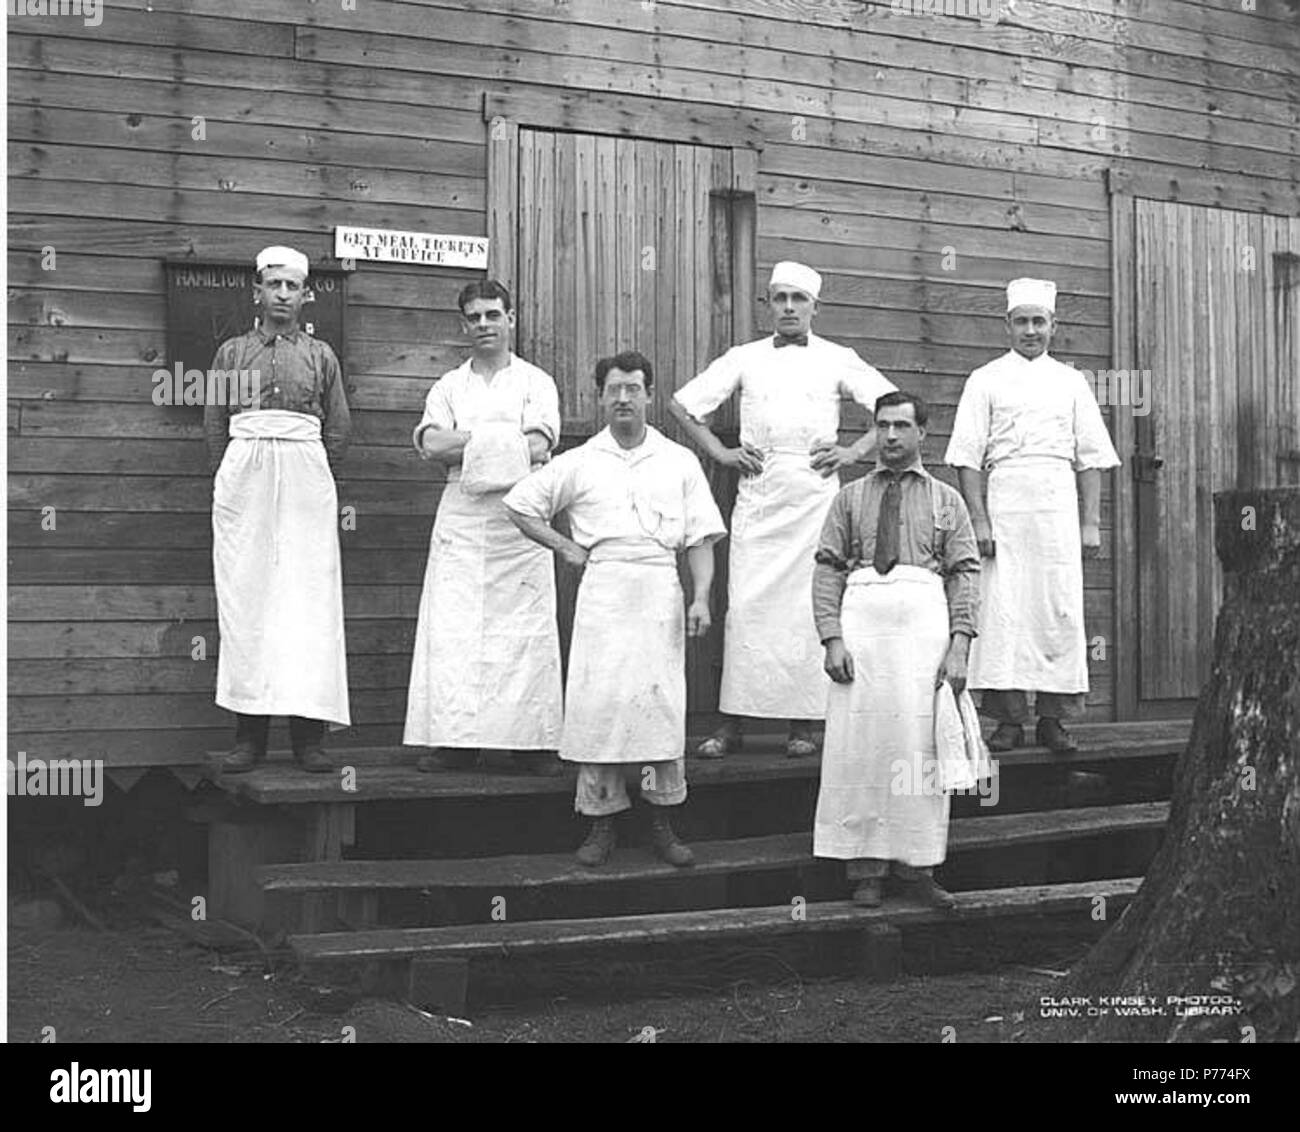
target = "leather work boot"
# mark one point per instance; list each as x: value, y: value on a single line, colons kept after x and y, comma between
x: 600, y: 842
x: 1007, y: 737
x: 306, y: 736
x: 1054, y: 737
x: 250, y: 744
x: 664, y: 841
x: 867, y: 894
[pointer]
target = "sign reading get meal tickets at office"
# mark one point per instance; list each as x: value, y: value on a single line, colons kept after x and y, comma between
x: 423, y: 248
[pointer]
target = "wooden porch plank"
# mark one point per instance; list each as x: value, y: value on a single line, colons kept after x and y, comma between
x: 282, y: 782
x: 713, y: 924
x: 750, y: 854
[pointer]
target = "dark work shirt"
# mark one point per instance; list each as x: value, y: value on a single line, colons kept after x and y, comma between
x: 279, y: 371
x: 946, y: 547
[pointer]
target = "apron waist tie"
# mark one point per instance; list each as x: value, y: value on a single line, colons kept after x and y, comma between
x: 645, y: 552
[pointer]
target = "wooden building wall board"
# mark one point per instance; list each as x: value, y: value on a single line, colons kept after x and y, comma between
x: 841, y: 136
x: 56, y: 198
x: 68, y: 454
x: 182, y: 602
x: 51, y: 640
x: 704, y: 40
x: 802, y: 99
x: 236, y: 140
x: 180, y: 747
x: 250, y: 177
x: 1033, y: 28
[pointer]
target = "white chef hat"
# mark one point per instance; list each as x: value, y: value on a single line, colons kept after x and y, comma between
x: 791, y: 274
x: 278, y: 256
x: 1031, y: 293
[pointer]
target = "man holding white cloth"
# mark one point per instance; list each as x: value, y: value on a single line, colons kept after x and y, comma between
x: 275, y: 541
x: 635, y: 500
x: 894, y: 594
x: 1032, y: 425
x: 486, y: 668
x: 791, y: 385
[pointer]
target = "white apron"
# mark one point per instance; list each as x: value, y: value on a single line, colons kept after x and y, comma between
x: 486, y: 666
x: 772, y: 658
x: 1031, y: 633
x: 279, y: 579
x: 880, y: 796
x: 626, y: 697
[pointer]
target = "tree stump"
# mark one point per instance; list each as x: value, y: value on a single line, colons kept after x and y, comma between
x: 1219, y: 911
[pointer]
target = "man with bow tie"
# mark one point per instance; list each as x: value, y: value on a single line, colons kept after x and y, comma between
x: 791, y: 384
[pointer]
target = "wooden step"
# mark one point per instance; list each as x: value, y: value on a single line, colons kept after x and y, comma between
x: 500, y: 939
x: 749, y: 854
x: 281, y: 782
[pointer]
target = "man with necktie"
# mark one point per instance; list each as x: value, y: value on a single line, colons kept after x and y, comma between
x: 895, y: 590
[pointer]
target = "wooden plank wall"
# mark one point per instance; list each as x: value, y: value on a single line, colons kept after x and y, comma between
x: 918, y: 160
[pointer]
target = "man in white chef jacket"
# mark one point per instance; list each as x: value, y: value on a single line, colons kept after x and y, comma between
x: 485, y: 674
x: 1029, y: 432
x: 791, y: 384
x: 634, y: 499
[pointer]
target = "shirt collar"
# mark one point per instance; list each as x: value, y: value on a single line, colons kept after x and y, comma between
x: 268, y: 336
x: 604, y: 440
x: 1020, y: 359
x: 468, y: 366
x: 915, y: 466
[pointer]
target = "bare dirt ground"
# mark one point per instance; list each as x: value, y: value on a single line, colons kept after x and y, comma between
x: 141, y: 982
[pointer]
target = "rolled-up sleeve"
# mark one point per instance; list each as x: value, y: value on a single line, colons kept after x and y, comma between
x: 960, y: 566
x: 1092, y: 444
x: 543, y: 494
x: 702, y: 520
x: 969, y: 442
x: 705, y: 392
x: 862, y: 382
x: 438, y: 411
x: 831, y: 566
x: 542, y: 406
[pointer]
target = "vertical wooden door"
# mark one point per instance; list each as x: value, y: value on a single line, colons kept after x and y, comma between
x: 1216, y: 307
x: 630, y: 244
x: 623, y: 244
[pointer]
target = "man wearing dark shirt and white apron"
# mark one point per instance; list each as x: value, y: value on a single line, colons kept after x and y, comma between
x: 275, y: 543
x: 894, y: 595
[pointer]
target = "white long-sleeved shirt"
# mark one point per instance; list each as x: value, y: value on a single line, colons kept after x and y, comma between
x: 1017, y: 407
